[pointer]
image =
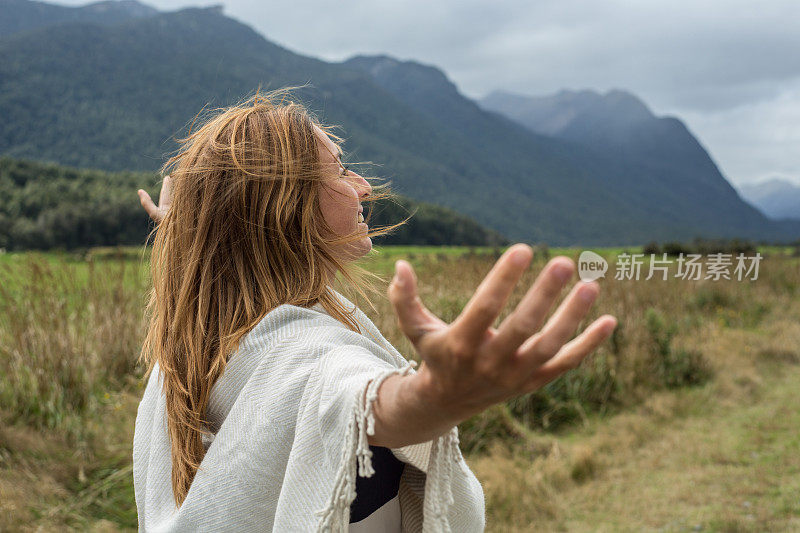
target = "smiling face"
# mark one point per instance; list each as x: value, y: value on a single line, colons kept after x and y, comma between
x: 340, y: 198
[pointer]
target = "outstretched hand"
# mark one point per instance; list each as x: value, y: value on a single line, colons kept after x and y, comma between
x: 157, y: 212
x: 469, y: 365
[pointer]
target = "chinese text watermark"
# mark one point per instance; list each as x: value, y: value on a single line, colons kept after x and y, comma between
x: 717, y: 266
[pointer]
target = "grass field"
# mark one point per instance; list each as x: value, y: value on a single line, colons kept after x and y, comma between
x: 685, y: 421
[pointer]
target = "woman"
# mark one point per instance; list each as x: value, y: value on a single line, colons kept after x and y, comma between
x: 271, y: 399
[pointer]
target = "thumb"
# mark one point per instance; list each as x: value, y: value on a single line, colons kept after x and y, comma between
x: 414, y: 318
x: 148, y: 204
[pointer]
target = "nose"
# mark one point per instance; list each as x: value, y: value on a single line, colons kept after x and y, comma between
x: 361, y: 185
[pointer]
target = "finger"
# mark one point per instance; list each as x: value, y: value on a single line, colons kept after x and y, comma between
x: 414, y: 318
x: 491, y: 295
x: 148, y: 205
x: 562, y: 324
x: 527, y: 318
x: 572, y: 353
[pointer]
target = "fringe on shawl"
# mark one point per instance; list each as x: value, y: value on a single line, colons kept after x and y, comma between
x: 445, y: 453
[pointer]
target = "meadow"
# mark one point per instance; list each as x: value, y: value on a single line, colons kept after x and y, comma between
x: 685, y: 420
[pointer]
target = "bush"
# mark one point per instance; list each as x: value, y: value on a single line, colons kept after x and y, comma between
x: 651, y: 248
x: 591, y: 388
x: 709, y: 298
x: 492, y: 425
x: 668, y: 367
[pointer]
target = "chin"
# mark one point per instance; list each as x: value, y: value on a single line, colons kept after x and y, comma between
x: 363, y: 247
x: 356, y: 250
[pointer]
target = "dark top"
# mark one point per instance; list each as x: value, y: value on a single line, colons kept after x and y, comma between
x: 373, y: 492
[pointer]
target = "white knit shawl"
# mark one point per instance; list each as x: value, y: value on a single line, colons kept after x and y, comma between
x: 290, y: 417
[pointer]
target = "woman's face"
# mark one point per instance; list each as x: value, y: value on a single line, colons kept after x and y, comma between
x: 340, y: 198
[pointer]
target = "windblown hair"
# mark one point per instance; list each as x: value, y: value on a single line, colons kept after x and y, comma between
x: 244, y: 234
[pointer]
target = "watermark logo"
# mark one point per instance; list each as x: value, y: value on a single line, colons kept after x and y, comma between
x: 591, y: 266
x: 633, y: 267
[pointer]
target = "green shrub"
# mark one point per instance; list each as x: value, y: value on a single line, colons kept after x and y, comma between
x: 591, y: 388
x: 495, y: 423
x: 708, y: 298
x: 668, y: 367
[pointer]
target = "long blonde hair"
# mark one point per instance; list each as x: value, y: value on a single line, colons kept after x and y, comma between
x: 243, y: 235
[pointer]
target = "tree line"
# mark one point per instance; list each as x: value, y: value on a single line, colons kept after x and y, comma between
x: 45, y: 206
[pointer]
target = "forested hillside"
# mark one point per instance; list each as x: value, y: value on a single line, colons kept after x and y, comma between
x: 46, y: 206
x: 23, y: 15
x: 114, y: 95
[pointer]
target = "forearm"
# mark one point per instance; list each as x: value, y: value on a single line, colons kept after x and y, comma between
x: 403, y: 415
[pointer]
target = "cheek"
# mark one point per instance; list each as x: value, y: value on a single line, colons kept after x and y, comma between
x: 338, y: 207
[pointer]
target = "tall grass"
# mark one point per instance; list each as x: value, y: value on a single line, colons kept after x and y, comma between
x: 70, y: 332
x: 644, y: 354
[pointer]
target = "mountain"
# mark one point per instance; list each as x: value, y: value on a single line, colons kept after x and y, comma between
x: 776, y: 198
x: 616, y: 123
x: 22, y: 15
x: 621, y: 126
x: 654, y: 166
x: 147, y: 78
x: 114, y: 96
x: 574, y: 115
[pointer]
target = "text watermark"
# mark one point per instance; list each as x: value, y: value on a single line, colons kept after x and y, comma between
x: 715, y: 267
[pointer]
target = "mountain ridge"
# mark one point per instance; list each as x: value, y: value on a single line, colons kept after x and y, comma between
x: 25, y: 15
x: 777, y: 198
x: 441, y: 147
x: 635, y: 177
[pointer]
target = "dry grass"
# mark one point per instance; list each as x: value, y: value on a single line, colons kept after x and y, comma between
x: 622, y: 443
x: 721, y: 457
x: 48, y: 482
x: 70, y: 332
x: 69, y: 338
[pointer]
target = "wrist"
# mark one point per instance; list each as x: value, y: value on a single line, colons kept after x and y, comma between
x: 406, y: 413
x: 433, y: 401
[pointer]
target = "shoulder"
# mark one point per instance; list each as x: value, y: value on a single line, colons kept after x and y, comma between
x: 289, y: 324
x: 297, y: 335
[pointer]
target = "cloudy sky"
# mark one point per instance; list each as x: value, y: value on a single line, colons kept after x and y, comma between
x: 729, y: 68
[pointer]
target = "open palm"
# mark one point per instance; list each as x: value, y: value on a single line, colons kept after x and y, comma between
x: 470, y: 365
